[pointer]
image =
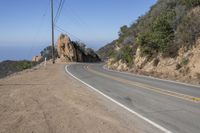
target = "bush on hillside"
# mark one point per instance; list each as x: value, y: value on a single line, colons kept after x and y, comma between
x: 168, y: 26
x: 81, y: 46
x: 10, y: 67
x: 127, y: 55
x: 191, y: 3
x: 188, y: 31
x: 159, y: 36
x: 21, y: 65
x: 47, y: 53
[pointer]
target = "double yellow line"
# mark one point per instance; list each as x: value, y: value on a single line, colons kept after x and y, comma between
x: 147, y: 87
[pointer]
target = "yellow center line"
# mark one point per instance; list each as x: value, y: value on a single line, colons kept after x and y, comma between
x: 148, y: 87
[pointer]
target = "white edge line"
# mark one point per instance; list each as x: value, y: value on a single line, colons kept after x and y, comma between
x: 128, y: 73
x: 119, y: 104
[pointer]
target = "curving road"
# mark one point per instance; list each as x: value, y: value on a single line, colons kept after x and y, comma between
x: 169, y: 106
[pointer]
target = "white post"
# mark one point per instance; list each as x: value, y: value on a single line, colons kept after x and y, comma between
x: 45, y: 62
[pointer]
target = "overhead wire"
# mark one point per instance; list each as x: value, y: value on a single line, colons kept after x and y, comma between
x: 77, y: 16
x: 59, y: 10
x: 38, y: 30
x: 58, y: 13
x: 62, y: 30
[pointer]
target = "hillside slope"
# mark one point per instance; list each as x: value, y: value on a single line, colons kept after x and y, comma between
x: 164, y: 42
x: 9, y: 67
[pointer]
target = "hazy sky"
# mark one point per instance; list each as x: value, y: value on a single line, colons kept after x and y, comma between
x: 95, y: 22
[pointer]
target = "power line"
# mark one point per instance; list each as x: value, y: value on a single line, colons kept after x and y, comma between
x: 62, y: 30
x: 61, y: 4
x: 38, y: 30
x: 59, y: 7
x: 77, y: 16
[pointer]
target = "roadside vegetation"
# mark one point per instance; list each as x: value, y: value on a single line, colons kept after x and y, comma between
x: 9, y: 67
x: 167, y: 27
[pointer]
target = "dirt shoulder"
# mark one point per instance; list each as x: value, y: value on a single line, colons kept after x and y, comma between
x: 47, y: 100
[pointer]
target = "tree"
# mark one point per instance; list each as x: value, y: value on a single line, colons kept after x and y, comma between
x: 47, y: 53
x: 123, y: 30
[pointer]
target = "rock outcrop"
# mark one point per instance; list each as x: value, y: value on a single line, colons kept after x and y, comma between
x: 65, y: 48
x: 37, y: 58
x: 185, y: 67
x: 69, y: 51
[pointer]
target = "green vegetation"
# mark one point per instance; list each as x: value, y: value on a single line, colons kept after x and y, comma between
x: 10, y: 67
x: 107, y: 51
x: 126, y: 54
x: 159, y: 35
x: 184, y: 61
x: 168, y: 26
x: 22, y: 65
x: 191, y: 3
x: 188, y: 30
x: 47, y: 53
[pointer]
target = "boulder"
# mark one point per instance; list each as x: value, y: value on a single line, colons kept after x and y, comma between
x: 65, y: 48
x: 37, y: 58
x: 69, y: 51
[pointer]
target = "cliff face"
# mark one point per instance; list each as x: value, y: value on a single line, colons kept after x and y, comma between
x: 69, y: 51
x: 165, y: 42
x: 65, y: 48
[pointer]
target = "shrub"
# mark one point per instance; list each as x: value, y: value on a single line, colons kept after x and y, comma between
x: 123, y: 30
x: 146, y: 42
x: 178, y: 66
x: 191, y: 3
x: 10, y: 67
x: 47, y: 53
x: 162, y: 30
x: 188, y: 30
x: 21, y: 65
x: 168, y: 26
x: 127, y: 55
x: 157, y: 39
x: 184, y: 61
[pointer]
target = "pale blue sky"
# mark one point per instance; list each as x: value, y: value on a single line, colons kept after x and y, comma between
x: 95, y: 22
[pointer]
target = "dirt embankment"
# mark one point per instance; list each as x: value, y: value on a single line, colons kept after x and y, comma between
x: 184, y: 68
x: 47, y: 100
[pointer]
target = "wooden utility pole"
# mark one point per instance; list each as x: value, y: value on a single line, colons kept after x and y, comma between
x: 52, y: 26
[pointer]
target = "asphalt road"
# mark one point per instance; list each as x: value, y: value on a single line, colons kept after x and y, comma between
x: 171, y: 106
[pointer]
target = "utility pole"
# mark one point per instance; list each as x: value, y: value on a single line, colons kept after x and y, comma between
x: 52, y: 26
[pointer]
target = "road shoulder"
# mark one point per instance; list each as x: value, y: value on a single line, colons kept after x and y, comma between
x: 48, y: 100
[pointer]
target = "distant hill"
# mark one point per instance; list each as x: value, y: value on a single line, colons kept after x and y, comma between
x: 9, y: 67
x: 106, y: 51
x: 170, y: 30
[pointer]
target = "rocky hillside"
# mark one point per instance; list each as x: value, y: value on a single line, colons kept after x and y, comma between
x: 69, y: 51
x: 165, y: 42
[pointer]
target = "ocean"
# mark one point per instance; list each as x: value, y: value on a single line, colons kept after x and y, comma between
x: 19, y: 52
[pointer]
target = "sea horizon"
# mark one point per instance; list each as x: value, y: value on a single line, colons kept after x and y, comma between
x: 17, y: 53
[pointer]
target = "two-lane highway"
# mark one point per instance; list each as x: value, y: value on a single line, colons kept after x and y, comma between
x: 170, y: 106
